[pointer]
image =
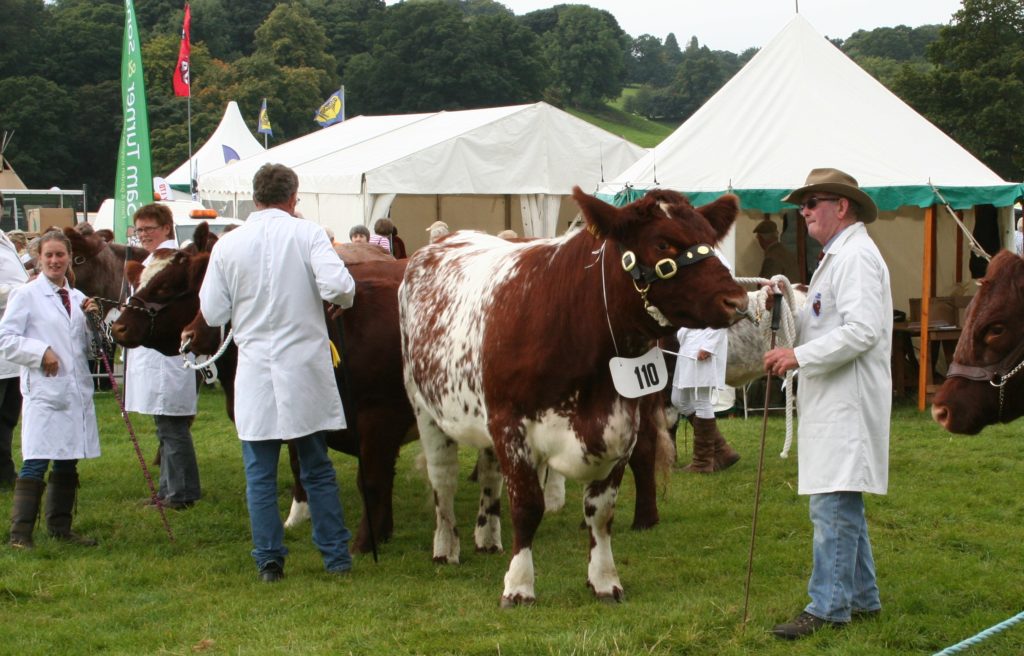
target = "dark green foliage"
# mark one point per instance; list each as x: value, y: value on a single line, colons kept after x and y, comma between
x: 586, y: 52
x: 975, y: 88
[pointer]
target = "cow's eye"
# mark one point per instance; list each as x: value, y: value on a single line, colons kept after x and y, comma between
x: 663, y: 246
x: 995, y: 331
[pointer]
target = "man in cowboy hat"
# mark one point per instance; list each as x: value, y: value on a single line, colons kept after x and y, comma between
x: 777, y: 258
x: 844, y: 340
x: 437, y: 230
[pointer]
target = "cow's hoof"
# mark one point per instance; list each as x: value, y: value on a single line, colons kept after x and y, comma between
x: 616, y: 595
x: 493, y: 549
x: 517, y: 600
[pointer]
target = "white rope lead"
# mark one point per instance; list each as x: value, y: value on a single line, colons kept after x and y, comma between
x: 213, y: 358
x: 975, y: 246
x: 787, y: 338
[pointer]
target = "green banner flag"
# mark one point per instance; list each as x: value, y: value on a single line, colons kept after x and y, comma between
x: 134, y: 184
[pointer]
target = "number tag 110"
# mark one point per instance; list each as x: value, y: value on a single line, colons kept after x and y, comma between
x: 635, y: 377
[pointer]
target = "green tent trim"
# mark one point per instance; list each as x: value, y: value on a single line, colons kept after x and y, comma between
x: 887, y: 198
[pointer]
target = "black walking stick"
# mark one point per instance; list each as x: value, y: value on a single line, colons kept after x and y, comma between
x: 776, y: 318
x: 101, y: 348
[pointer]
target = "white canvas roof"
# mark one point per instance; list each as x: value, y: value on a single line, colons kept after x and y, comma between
x: 800, y: 103
x: 355, y: 168
x: 231, y: 132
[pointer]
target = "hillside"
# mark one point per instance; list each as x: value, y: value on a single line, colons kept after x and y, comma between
x: 637, y: 129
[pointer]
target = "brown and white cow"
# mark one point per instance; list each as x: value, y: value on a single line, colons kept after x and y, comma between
x: 507, y: 346
x: 985, y: 382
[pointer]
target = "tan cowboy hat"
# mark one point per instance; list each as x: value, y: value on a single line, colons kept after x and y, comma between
x: 836, y: 182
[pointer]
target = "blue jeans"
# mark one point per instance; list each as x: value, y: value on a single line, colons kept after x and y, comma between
x: 330, y: 535
x: 843, y: 578
x: 179, y: 472
x: 37, y: 468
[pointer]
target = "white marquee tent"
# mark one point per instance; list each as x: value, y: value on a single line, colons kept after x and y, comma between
x: 800, y: 103
x: 230, y: 142
x: 352, y: 172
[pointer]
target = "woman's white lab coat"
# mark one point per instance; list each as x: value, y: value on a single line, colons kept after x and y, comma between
x: 158, y: 384
x: 844, y: 397
x: 267, y: 278
x: 58, y: 420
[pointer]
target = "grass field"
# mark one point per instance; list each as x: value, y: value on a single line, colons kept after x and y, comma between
x: 948, y: 540
x: 635, y: 128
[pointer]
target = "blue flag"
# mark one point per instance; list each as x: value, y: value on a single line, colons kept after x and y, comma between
x: 333, y: 109
x: 264, y: 121
x: 230, y: 154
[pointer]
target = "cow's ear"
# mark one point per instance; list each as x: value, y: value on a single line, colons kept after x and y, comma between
x: 197, y: 269
x: 133, y: 271
x: 601, y: 217
x: 201, y: 236
x: 721, y: 213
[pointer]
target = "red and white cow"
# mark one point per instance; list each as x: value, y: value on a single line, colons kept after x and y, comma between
x: 507, y: 345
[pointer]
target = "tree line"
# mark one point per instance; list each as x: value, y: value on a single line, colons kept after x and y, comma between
x: 60, y: 63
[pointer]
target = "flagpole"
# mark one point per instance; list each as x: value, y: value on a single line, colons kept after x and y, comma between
x: 343, y: 102
x: 191, y: 164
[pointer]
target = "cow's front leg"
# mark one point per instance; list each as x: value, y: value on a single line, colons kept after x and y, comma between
x: 526, y: 507
x: 599, y: 509
x: 487, y: 533
x: 442, y: 455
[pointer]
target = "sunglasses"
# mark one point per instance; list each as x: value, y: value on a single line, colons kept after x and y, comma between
x: 813, y: 201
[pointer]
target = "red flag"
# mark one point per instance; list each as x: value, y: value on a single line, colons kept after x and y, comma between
x: 182, y: 83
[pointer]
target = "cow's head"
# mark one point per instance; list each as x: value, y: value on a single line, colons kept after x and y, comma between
x: 166, y: 298
x: 985, y: 382
x: 664, y: 244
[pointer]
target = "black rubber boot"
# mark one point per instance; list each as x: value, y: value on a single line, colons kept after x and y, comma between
x: 28, y: 492
x: 60, y: 504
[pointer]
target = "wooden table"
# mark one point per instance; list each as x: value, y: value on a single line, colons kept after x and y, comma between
x: 904, y: 382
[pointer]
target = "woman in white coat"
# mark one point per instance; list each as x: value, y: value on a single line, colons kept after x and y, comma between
x: 46, y: 332
x: 844, y: 338
x: 157, y: 384
x: 700, y: 371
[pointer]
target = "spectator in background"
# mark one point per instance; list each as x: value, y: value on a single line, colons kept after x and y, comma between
x: 132, y: 238
x: 397, y: 245
x: 508, y: 234
x: 1018, y: 236
x: 359, y: 234
x: 20, y: 241
x: 330, y: 235
x: 437, y: 230
x: 381, y: 236
x: 777, y: 258
x: 12, y: 276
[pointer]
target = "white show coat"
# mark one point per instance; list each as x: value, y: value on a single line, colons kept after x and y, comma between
x: 58, y: 420
x: 12, y: 276
x: 267, y: 278
x: 691, y: 372
x: 158, y: 384
x: 845, y: 395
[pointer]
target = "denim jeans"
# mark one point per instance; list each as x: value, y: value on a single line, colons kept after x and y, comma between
x: 179, y: 472
x: 37, y: 468
x: 843, y: 578
x: 330, y: 535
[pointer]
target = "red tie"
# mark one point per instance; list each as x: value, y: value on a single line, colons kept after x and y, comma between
x: 65, y: 299
x: 821, y: 256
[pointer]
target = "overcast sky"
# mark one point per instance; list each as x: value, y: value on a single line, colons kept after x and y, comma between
x: 736, y: 25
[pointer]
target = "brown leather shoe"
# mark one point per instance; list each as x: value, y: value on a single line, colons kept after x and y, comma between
x: 802, y: 626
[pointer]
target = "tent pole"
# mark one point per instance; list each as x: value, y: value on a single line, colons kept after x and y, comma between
x: 960, y: 252
x: 927, y: 290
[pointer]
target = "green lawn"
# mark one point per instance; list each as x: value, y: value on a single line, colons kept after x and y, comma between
x: 635, y: 128
x: 948, y: 539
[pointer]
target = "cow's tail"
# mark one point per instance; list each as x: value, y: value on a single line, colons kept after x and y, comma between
x: 664, y: 449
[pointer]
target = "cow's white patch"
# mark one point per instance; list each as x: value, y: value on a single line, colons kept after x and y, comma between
x: 155, y: 266
x: 299, y: 513
x: 519, y: 577
x: 601, y: 572
x: 554, y: 490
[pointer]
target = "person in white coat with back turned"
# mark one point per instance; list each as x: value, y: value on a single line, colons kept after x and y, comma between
x: 45, y: 331
x: 269, y: 278
x: 158, y: 384
x: 12, y: 276
x: 844, y: 342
